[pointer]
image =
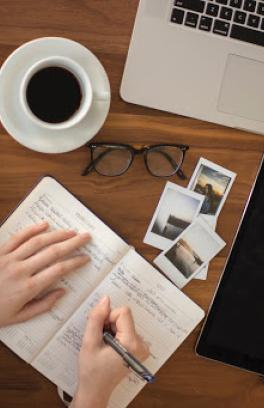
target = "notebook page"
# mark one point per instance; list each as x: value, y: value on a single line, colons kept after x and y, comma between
x: 163, y: 315
x: 51, y: 201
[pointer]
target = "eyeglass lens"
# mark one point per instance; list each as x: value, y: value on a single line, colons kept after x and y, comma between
x: 111, y: 161
x: 164, y: 161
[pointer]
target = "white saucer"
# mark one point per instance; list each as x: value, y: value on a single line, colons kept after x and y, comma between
x: 19, y: 125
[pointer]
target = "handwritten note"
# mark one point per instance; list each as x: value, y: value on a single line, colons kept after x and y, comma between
x: 50, y: 201
x: 163, y: 315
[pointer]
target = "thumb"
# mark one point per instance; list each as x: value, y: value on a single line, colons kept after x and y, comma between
x: 96, y: 321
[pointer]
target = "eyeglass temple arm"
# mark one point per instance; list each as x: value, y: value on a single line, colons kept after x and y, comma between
x: 92, y: 163
x: 179, y: 172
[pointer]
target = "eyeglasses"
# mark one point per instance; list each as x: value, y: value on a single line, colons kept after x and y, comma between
x: 114, y: 159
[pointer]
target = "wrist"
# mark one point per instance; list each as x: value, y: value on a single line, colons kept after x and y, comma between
x: 84, y: 399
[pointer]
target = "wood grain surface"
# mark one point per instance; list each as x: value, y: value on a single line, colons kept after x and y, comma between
x: 126, y: 203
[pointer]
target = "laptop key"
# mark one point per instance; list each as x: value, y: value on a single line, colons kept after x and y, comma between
x: 226, y: 13
x: 247, y: 34
x: 260, y: 9
x: 191, y: 19
x: 240, y: 17
x: 249, y: 5
x: 262, y: 24
x: 212, y: 9
x: 221, y: 27
x: 205, y: 23
x: 235, y: 3
x: 177, y: 16
x: 253, y: 21
x: 221, y: 1
x: 192, y: 5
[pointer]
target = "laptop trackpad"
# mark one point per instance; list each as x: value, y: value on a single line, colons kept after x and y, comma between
x: 242, y: 91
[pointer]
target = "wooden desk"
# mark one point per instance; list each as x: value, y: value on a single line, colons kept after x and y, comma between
x: 126, y: 203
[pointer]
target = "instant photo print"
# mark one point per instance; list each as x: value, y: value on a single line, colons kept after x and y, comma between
x: 189, y: 253
x: 214, y: 183
x: 177, y: 209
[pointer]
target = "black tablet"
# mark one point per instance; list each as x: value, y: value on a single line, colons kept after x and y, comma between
x: 234, y: 329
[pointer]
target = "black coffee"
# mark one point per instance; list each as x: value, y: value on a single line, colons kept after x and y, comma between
x: 53, y: 94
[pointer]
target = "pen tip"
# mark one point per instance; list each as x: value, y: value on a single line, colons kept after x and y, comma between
x: 149, y: 378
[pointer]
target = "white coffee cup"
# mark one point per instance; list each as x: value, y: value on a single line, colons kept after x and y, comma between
x: 84, y: 82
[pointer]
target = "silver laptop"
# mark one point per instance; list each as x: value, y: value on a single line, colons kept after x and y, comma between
x: 203, y: 59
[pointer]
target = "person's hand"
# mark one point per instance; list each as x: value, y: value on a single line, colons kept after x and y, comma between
x: 101, y: 368
x: 32, y: 261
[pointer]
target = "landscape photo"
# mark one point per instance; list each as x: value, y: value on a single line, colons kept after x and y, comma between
x: 184, y: 258
x: 176, y: 212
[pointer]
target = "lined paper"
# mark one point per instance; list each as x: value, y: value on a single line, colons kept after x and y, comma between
x: 163, y: 315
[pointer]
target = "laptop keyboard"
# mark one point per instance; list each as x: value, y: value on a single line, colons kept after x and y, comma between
x: 239, y: 19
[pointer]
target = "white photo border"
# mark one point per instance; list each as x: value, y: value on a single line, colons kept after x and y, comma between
x: 212, y: 221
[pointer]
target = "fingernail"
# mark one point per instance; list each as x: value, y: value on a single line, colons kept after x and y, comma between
x: 43, y: 223
x: 71, y: 232
x: 60, y: 292
x: 85, y: 235
x: 104, y: 301
x: 86, y: 258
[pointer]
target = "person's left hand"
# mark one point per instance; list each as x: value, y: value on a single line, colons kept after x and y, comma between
x: 32, y: 261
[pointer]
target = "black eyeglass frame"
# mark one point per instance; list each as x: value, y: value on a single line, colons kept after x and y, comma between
x: 134, y: 152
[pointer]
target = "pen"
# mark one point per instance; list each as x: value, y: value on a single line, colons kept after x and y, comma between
x: 128, y: 358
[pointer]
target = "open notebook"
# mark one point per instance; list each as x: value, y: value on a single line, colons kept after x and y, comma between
x: 163, y: 315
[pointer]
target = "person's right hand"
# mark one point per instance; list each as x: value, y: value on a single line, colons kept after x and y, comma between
x: 101, y: 368
x: 32, y: 261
